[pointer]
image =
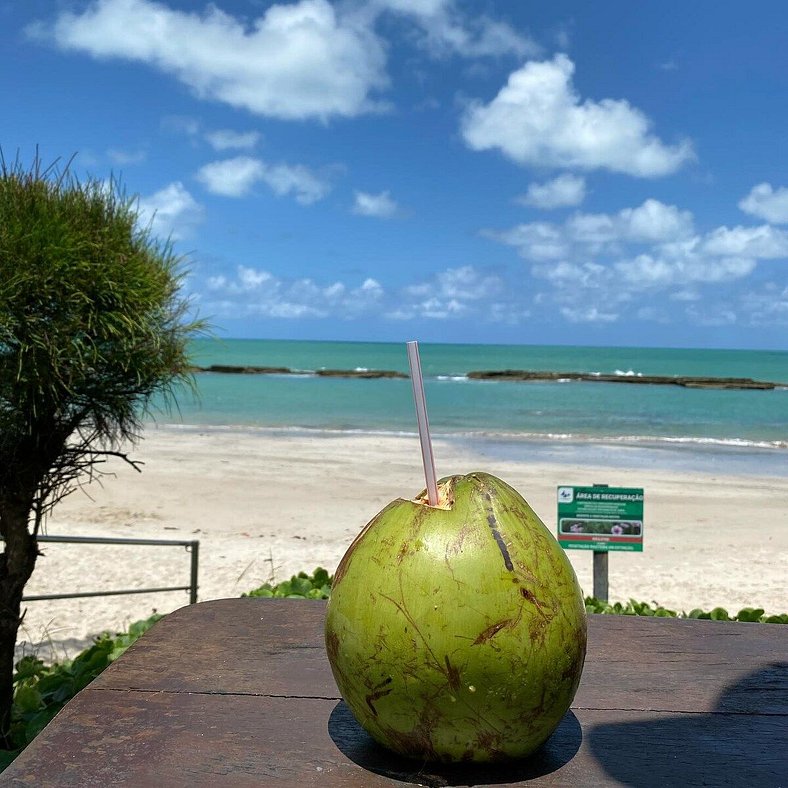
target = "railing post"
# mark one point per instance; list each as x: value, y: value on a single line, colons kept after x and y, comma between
x: 600, y: 575
x: 195, y: 551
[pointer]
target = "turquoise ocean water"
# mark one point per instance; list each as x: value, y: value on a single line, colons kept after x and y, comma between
x: 741, y: 431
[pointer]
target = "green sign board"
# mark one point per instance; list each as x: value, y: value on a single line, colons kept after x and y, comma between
x: 600, y: 518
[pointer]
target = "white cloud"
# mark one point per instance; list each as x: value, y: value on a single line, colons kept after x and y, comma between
x: 296, y: 61
x: 455, y: 292
x: 445, y: 30
x: 236, y: 177
x: 764, y: 242
x: 534, y: 241
x: 285, y: 179
x: 585, y: 275
x: 226, y: 139
x: 538, y: 118
x: 588, y: 315
x: 231, y: 177
x: 170, y: 212
x: 565, y: 190
x: 594, y: 229
x: 256, y: 292
x: 594, y: 233
x: 125, y: 157
x: 646, y: 271
x: 601, y: 265
x: 378, y: 205
x: 655, y: 221
x: 767, y: 203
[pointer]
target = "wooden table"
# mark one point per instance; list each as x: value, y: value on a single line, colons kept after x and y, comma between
x: 238, y: 692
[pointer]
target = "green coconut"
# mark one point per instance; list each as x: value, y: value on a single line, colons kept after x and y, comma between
x: 457, y: 632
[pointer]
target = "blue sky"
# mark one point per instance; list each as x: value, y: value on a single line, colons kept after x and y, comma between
x: 564, y: 172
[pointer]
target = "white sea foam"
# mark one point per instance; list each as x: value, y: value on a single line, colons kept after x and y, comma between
x: 567, y: 437
x: 630, y: 373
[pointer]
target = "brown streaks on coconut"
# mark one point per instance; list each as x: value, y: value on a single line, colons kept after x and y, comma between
x: 493, y: 523
x: 452, y: 674
x: 380, y: 692
x: 491, y: 631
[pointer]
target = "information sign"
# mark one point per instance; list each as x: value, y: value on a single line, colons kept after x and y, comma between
x: 600, y: 518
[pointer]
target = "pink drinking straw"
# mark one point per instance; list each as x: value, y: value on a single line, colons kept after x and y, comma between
x: 424, y: 426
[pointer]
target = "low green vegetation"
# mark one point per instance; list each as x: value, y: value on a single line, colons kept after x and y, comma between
x: 635, y: 608
x: 300, y: 586
x: 41, y: 690
x: 318, y: 586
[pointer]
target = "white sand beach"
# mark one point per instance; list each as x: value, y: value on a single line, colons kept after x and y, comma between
x: 265, y: 505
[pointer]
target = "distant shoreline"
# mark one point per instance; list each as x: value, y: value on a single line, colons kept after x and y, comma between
x: 513, y: 375
x: 670, y: 453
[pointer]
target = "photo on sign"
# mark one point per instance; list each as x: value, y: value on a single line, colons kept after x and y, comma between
x: 606, y: 527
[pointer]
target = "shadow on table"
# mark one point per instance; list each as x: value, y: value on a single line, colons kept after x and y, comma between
x: 741, y: 742
x: 357, y: 745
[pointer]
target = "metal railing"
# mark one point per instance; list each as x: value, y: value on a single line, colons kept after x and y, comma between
x: 192, y: 547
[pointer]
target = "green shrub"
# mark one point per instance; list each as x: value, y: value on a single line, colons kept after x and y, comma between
x: 318, y: 586
x: 300, y: 586
x: 635, y: 608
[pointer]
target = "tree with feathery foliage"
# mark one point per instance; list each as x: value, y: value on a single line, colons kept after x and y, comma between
x: 92, y: 327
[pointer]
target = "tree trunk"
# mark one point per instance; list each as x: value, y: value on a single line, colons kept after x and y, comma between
x: 17, y: 562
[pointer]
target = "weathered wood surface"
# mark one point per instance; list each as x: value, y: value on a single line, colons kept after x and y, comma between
x: 238, y: 692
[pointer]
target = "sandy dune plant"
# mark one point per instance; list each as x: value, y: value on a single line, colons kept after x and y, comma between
x: 92, y: 327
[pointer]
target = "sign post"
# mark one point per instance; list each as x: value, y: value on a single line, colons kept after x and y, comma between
x: 600, y: 518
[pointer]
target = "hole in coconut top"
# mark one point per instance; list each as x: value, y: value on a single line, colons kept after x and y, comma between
x: 445, y: 496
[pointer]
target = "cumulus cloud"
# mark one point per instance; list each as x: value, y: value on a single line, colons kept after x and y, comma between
x: 461, y: 292
x: 456, y: 292
x: 126, y: 157
x: 646, y: 270
x: 445, y: 30
x: 296, y: 61
x: 764, y: 241
x: 611, y: 261
x: 767, y: 203
x: 231, y: 177
x: 588, y: 314
x: 565, y: 190
x: 170, y: 212
x: 307, y: 59
x: 378, y: 205
x: 592, y: 233
x: 654, y: 221
x: 227, y: 139
x: 539, y: 119
x: 236, y: 177
x: 256, y: 292
x: 535, y: 240
x: 305, y: 185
